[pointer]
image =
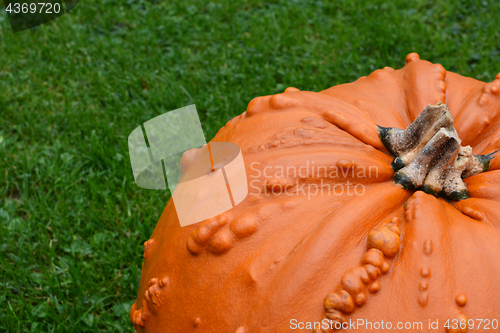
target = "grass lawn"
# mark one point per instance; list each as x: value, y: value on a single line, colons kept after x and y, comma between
x: 72, y: 220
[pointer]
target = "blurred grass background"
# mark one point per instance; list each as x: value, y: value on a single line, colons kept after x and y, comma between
x: 72, y: 221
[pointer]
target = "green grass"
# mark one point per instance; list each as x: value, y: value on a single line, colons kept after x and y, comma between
x: 72, y: 221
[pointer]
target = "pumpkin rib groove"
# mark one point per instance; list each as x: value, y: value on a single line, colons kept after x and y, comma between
x: 369, y: 92
x: 357, y: 282
x: 467, y: 262
x: 460, y: 90
x: 318, y: 246
x: 424, y: 84
x: 479, y: 209
x: 484, y: 146
x: 418, y: 270
x: 284, y: 259
x: 479, y: 115
x: 485, y: 185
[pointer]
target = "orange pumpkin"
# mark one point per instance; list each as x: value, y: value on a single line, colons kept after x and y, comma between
x: 328, y: 233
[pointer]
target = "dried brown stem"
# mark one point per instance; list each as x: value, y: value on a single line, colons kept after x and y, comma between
x: 428, y: 155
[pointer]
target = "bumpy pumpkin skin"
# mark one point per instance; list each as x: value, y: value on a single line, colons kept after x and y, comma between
x: 275, y: 257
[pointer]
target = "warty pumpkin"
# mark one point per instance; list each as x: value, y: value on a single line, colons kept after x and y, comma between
x: 395, y: 216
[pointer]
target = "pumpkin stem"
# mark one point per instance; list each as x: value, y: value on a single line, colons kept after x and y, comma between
x: 406, y: 144
x: 478, y: 164
x: 429, y: 156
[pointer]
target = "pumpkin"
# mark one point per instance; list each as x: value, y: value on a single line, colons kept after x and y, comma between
x: 376, y: 200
